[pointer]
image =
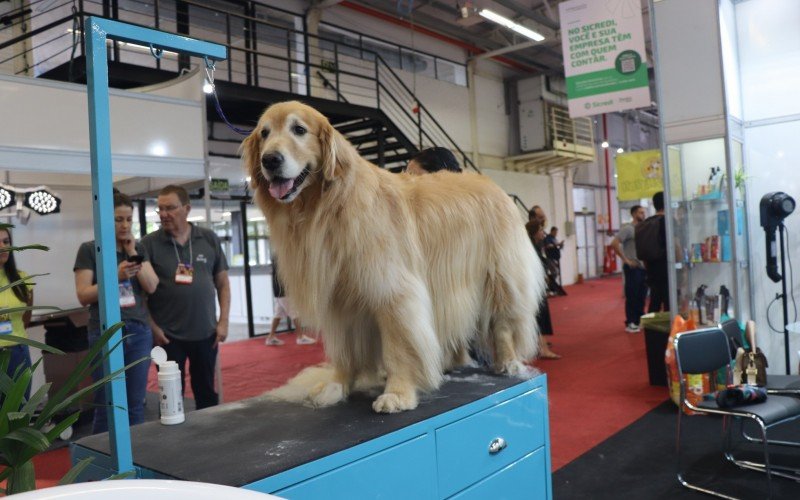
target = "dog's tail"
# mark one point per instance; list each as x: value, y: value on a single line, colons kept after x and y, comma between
x: 515, y: 291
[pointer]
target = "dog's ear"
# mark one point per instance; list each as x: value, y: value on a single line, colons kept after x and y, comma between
x: 251, y: 152
x: 336, y: 153
x: 327, y: 152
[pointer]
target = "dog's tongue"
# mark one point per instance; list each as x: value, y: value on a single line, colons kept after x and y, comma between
x: 278, y: 189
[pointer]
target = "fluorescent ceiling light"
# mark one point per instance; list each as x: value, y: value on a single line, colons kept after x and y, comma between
x: 508, y: 23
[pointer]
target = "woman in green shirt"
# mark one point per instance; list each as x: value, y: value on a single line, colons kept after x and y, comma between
x: 19, y: 295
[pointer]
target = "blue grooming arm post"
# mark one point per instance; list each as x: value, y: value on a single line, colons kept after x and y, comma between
x: 98, y: 31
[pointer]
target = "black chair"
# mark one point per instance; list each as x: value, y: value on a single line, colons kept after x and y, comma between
x: 706, y: 351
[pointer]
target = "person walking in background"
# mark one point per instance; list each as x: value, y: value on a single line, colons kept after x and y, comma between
x: 431, y: 160
x: 191, y: 269
x: 284, y: 310
x: 624, y: 245
x: 19, y: 295
x: 136, y: 278
x: 535, y: 228
x: 552, y: 250
x: 651, y: 249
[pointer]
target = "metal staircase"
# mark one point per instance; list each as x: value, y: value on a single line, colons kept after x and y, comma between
x: 270, y: 61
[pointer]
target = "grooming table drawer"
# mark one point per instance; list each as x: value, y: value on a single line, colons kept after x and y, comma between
x: 482, y: 444
x: 408, y: 467
x: 505, y: 483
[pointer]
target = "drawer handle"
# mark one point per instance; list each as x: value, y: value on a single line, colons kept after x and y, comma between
x: 497, y: 445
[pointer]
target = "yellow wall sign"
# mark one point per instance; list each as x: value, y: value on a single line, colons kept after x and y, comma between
x: 639, y: 175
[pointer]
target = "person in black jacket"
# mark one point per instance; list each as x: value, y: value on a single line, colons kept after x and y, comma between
x: 535, y: 228
x: 657, y: 269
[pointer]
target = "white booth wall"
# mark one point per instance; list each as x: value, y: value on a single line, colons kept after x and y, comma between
x: 769, y: 70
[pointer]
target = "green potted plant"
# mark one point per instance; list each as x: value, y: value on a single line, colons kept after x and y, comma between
x: 739, y: 179
x: 29, y: 427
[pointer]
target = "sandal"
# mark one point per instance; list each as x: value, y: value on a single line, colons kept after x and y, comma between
x: 549, y: 355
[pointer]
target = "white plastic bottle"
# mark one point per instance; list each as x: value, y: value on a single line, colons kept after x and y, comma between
x: 169, y: 387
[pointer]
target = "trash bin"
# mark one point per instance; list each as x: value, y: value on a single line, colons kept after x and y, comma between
x: 65, y: 330
x: 656, y: 334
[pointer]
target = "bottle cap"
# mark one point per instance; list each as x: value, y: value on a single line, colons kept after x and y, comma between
x: 158, y: 355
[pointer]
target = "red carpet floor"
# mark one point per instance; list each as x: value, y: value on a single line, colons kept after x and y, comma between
x: 597, y: 388
x: 600, y: 385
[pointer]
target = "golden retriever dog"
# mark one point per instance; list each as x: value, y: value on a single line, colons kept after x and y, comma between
x: 399, y: 272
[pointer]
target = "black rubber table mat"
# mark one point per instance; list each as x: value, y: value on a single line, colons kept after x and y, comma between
x: 242, y: 442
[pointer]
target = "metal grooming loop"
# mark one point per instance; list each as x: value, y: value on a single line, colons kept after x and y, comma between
x: 99, y: 30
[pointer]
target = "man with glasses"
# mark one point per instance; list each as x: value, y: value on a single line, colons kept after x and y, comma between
x: 191, y: 269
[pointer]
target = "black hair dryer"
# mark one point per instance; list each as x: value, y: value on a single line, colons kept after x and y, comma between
x: 774, y: 208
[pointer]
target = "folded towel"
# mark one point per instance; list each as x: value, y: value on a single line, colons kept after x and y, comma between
x: 738, y: 395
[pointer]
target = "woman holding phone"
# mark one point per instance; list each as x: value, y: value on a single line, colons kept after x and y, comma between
x: 136, y: 278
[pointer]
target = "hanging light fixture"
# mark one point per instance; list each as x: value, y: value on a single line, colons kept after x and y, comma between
x: 7, y: 197
x: 42, y: 201
x: 508, y: 23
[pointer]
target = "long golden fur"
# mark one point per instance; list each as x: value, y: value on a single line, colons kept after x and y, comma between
x: 399, y: 272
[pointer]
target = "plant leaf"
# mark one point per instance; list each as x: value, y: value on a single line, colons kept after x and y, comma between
x: 24, y: 280
x: 122, y: 475
x: 91, y: 388
x: 10, y: 310
x: 5, y: 360
x: 79, y: 373
x: 37, y: 398
x: 75, y: 471
x: 34, y: 246
x: 34, y: 439
x: 14, y: 397
x: 56, y: 431
x: 18, y: 419
x: 32, y: 343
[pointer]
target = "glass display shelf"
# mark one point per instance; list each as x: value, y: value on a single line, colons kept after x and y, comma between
x: 709, y: 237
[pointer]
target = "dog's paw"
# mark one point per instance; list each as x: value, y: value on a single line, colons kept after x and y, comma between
x: 390, y: 402
x: 327, y: 394
x: 518, y: 369
x: 471, y: 363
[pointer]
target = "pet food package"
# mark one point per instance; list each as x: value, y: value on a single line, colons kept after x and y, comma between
x: 697, y: 253
x: 714, y: 249
x: 697, y: 385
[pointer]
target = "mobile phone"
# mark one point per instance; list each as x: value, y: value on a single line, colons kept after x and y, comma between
x: 136, y: 259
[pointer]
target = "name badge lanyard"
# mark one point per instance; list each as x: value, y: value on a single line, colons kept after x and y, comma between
x: 184, y: 272
x: 178, y: 256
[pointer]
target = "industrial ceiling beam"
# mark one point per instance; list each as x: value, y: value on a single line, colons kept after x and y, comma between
x: 506, y: 50
x: 460, y: 37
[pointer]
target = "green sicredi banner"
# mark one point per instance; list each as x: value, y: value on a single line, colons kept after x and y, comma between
x: 604, y: 56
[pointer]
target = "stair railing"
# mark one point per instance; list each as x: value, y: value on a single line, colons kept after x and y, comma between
x: 263, y: 54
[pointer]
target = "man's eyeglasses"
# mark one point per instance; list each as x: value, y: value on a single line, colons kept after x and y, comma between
x: 168, y: 209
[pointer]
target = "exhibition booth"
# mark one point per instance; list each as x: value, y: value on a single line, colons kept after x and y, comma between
x: 725, y: 78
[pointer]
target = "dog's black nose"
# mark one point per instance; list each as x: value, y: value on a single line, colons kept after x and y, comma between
x: 272, y: 161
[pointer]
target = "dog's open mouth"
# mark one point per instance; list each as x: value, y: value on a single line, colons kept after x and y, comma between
x: 281, y: 188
